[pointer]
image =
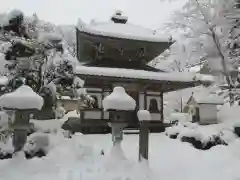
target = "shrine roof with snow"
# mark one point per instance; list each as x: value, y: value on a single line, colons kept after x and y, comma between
x: 117, y: 51
x: 124, y: 31
x: 142, y: 74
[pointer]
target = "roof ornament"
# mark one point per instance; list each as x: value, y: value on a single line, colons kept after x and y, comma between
x: 119, y: 18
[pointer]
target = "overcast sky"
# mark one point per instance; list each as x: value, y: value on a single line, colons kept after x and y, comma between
x: 148, y: 13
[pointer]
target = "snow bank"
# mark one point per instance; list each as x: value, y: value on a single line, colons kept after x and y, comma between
x: 144, y: 115
x: 22, y: 98
x: 79, y: 158
x: 173, y: 131
x: 72, y: 114
x: 203, y: 134
x: 204, y: 77
x: 50, y: 126
x: 119, y: 100
x: 181, y: 117
x: 229, y: 114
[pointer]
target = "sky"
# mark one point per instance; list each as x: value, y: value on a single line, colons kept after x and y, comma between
x: 148, y: 13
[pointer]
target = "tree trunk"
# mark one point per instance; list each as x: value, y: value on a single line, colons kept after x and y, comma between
x: 225, y: 70
x: 223, y: 60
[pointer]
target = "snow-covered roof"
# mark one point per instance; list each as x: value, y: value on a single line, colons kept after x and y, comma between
x: 124, y: 31
x: 141, y: 74
x: 22, y: 98
x: 208, y: 99
x: 119, y: 100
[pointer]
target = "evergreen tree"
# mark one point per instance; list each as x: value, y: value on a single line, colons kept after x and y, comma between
x: 31, y: 53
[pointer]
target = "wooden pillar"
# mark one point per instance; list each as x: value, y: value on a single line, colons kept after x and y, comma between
x: 162, y: 101
x: 102, y: 97
x: 143, y: 140
x: 145, y: 100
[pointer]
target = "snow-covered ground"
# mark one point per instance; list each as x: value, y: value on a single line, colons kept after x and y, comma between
x: 79, y: 159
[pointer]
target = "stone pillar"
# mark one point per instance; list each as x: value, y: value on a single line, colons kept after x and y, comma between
x: 117, y: 133
x: 20, y: 129
x: 143, y: 140
x: 19, y: 139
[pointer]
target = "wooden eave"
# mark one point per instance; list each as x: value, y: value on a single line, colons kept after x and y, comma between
x: 142, y: 84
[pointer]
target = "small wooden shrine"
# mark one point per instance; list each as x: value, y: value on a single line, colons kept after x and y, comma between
x: 117, y: 53
x: 203, y: 108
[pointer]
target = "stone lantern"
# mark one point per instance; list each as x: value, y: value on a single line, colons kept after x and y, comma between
x: 21, y: 104
x: 119, y: 104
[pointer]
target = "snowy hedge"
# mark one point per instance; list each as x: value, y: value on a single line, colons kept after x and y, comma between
x: 202, y: 137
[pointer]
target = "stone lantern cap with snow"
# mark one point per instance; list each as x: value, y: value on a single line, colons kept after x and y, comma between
x: 144, y: 115
x: 20, y: 105
x: 120, y: 104
x: 23, y: 98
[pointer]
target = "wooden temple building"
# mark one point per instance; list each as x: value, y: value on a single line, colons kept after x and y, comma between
x: 117, y: 53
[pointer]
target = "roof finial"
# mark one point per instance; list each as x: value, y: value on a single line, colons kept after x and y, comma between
x: 119, y: 18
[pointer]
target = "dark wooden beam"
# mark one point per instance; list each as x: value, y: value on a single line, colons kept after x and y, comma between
x: 162, y: 108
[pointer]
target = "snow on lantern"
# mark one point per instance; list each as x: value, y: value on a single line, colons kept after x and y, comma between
x: 21, y: 103
x: 119, y: 104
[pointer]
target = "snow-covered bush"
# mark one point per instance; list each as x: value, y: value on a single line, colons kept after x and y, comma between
x: 37, y: 145
x: 202, y: 137
x: 6, y: 149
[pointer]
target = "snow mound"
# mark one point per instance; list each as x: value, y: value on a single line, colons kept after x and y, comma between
x: 72, y: 114
x: 48, y: 126
x: 181, y: 117
x: 229, y: 114
x: 119, y: 100
x: 22, y: 98
x: 204, y: 77
x: 37, y: 141
x: 204, y: 134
